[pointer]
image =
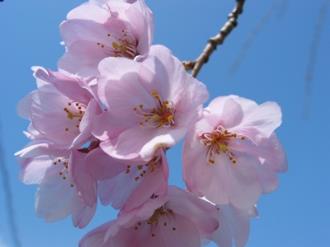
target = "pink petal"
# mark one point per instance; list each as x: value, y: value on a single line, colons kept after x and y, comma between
x: 89, y: 11
x: 193, y: 208
x: 71, y: 86
x: 82, y: 58
x: 81, y: 213
x: 235, y: 226
x: 82, y: 179
x: 95, y: 238
x: 262, y: 122
x: 152, y: 184
x: 49, y: 118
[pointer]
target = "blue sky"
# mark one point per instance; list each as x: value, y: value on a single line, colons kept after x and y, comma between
x: 272, y: 68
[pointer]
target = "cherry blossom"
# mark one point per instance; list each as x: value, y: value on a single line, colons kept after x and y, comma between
x: 232, y: 155
x: 96, y: 30
x: 126, y: 184
x: 179, y: 219
x: 151, y: 102
x: 138, y: 181
x: 49, y: 167
x: 101, y: 124
x: 61, y: 109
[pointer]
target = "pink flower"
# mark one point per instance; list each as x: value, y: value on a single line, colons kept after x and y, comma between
x: 61, y: 109
x: 180, y: 219
x: 232, y: 155
x: 234, y: 226
x: 151, y: 103
x: 96, y: 30
x: 137, y: 183
x: 49, y: 167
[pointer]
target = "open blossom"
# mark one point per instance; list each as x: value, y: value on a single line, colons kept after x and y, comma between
x: 137, y: 182
x: 126, y: 184
x: 61, y: 109
x: 232, y: 155
x: 96, y: 30
x: 150, y: 103
x: 179, y: 219
x: 57, y: 197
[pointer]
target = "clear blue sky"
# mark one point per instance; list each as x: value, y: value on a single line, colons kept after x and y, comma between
x: 297, y: 214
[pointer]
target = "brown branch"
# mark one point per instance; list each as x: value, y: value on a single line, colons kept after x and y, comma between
x: 214, y: 42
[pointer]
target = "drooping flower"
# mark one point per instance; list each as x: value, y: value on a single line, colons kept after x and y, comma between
x: 179, y: 219
x: 47, y: 166
x: 126, y: 184
x: 61, y: 109
x: 151, y: 102
x: 96, y: 30
x: 138, y: 181
x: 232, y: 154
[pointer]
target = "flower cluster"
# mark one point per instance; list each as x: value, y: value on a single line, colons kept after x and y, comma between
x: 101, y: 124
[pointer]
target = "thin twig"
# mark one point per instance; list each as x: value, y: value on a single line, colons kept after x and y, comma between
x: 214, y: 42
x: 313, y: 55
x: 9, y: 200
x: 243, y: 51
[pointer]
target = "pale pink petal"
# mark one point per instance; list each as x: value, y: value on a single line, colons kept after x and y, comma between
x: 24, y: 106
x: 125, y: 148
x: 137, y: 184
x: 71, y: 86
x: 96, y: 237
x: 261, y: 123
x: 202, y: 178
x: 85, y: 184
x: 86, y: 124
x: 81, y: 213
x: 141, y: 20
x: 235, y: 226
x: 82, y: 58
x: 54, y: 196
x: 186, y: 234
x: 274, y: 154
x: 88, y: 11
x: 48, y: 116
x: 35, y: 171
x: 193, y: 208
x: 154, y: 183
x: 101, y: 166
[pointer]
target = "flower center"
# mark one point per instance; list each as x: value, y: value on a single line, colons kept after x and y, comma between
x: 64, y: 168
x: 158, y: 214
x: 74, y: 112
x: 159, y: 217
x: 217, y: 142
x: 163, y: 115
x: 143, y: 170
x: 123, y: 46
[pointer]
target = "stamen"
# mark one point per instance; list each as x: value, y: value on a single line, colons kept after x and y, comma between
x: 158, y: 214
x: 163, y: 115
x: 64, y: 172
x: 217, y: 142
x: 142, y: 170
x: 122, y: 46
x: 75, y: 112
x: 162, y: 217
